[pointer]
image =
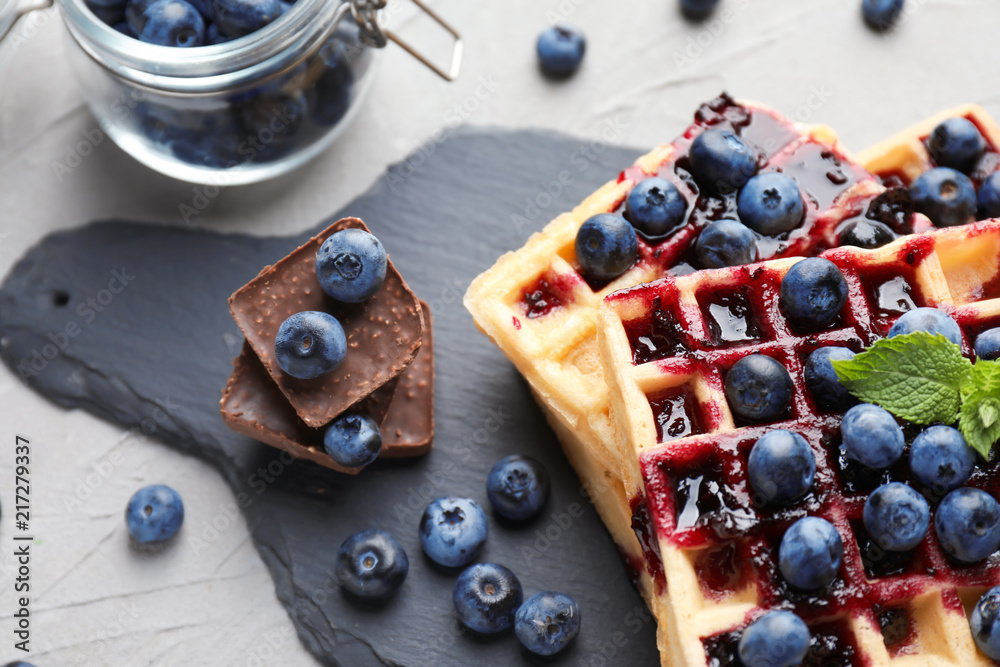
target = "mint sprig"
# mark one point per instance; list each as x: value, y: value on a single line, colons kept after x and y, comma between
x: 979, y: 420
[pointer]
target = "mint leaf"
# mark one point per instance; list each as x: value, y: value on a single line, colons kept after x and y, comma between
x: 917, y: 376
x: 980, y: 418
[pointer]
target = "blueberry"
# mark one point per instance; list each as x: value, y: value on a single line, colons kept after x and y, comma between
x: 813, y: 292
x: 125, y: 29
x: 698, y: 9
x: 371, y: 565
x: 517, y: 487
x: 204, y: 8
x: 771, y: 204
x: 811, y: 553
x: 726, y: 243
x: 274, y: 118
x: 547, y: 622
x: 822, y: 380
x: 111, y: 12
x: 985, y: 623
x: 453, y: 531
x: 172, y: 23
x: 721, y: 161
x: 945, y: 196
x: 781, y: 467
x: 956, y: 143
x: 776, y: 639
x: 968, y: 524
x: 214, y: 36
x: 881, y: 14
x: 134, y: 11
x: 487, y: 597
x: 941, y: 460
x: 931, y: 320
x: 866, y: 233
x: 655, y: 207
x: 19, y: 663
x: 310, y: 344
x: 871, y: 436
x: 351, y: 265
x: 988, y: 201
x: 988, y: 344
x: 758, y: 388
x: 154, y: 514
x: 242, y: 17
x: 560, y: 50
x: 606, y: 246
x: 897, y: 517
x: 332, y: 93
x: 353, y: 441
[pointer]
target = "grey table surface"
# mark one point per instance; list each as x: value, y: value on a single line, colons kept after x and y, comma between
x: 646, y: 70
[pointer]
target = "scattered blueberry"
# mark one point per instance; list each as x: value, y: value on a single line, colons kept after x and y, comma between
x: 822, y: 380
x: 871, y: 436
x: 560, y: 50
x: 353, y: 441
x: 172, y: 23
x: 726, y: 243
x: 547, y: 622
x: 931, y: 320
x: 19, y: 663
x: 866, y: 233
x: 956, y: 143
x: 897, y: 517
x: 698, y: 8
x: 881, y: 14
x: 655, y: 207
x: 945, y: 196
x: 310, y: 344
x: 813, y: 292
x: 517, y: 487
x: 487, y: 597
x: 371, y: 564
x: 453, y: 531
x: 985, y: 623
x: 242, y: 17
x: 154, y: 514
x: 776, y: 639
x: 758, y: 388
x: 811, y: 553
x: 968, y: 524
x: 721, y: 161
x: 941, y: 460
x: 988, y: 344
x: 781, y: 467
x: 351, y: 265
x: 606, y: 246
x: 988, y: 201
x: 771, y: 204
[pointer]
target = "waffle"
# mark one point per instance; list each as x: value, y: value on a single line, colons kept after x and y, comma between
x: 686, y: 454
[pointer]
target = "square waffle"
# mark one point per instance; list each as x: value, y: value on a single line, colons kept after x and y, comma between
x: 714, y: 547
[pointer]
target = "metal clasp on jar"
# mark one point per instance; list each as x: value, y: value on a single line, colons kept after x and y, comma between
x: 374, y: 34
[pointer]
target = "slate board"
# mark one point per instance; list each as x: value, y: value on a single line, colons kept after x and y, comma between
x: 158, y: 353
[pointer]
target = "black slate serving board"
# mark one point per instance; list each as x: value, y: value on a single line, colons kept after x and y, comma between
x: 134, y: 318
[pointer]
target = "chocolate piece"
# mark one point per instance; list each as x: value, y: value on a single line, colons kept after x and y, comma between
x: 383, y: 333
x: 409, y: 424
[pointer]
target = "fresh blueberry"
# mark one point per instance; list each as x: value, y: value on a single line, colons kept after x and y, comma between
x: 560, y: 50
x: 721, y: 161
x: 881, y: 14
x: 134, y: 11
x: 172, y: 23
x: 758, y: 388
x: 353, y: 441
x: 941, y: 460
x: 154, y: 514
x: 822, y: 380
x: 310, y: 344
x: 214, y: 36
x: 698, y: 9
x: 111, y: 12
x: 332, y: 94
x: 866, y: 233
x: 931, y: 320
x: 125, y: 29
x: 945, y: 196
x: 813, y: 292
x: 453, y: 531
x: 606, y: 246
x: 988, y: 344
x: 487, y: 597
x: 811, y: 553
x: 351, y: 265
x: 517, y: 487
x: 726, y: 243
x: 242, y: 17
x: 871, y: 436
x: 371, y: 565
x: 777, y: 639
x: 655, y: 207
x: 771, y: 204
x: 274, y: 118
x: 968, y: 524
x: 897, y: 517
x: 985, y: 624
x: 19, y: 663
x: 988, y: 202
x: 547, y: 622
x: 204, y: 8
x: 781, y: 467
x: 956, y: 143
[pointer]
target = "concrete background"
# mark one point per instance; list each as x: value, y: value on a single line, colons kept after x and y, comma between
x: 95, y: 602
